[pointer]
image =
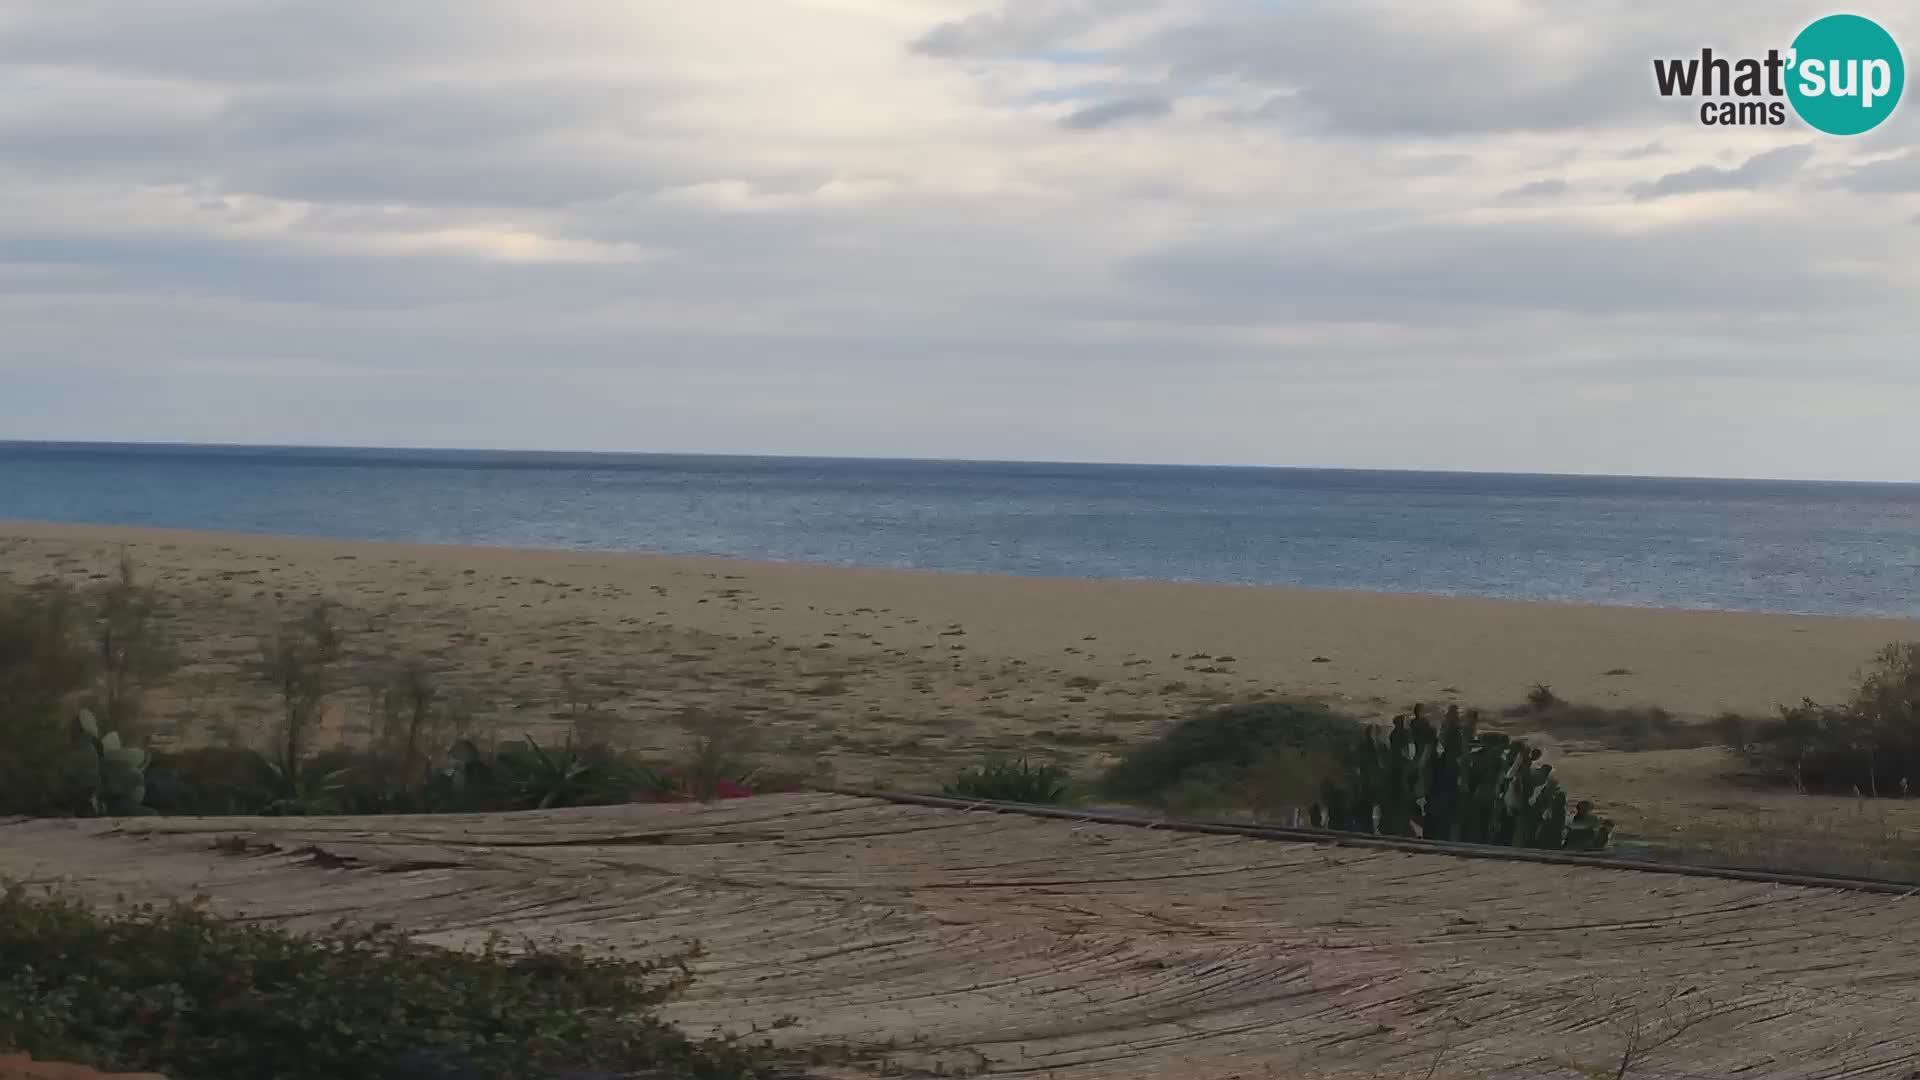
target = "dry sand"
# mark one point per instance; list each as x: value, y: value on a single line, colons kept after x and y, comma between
x: 894, y: 676
x: 1088, y: 952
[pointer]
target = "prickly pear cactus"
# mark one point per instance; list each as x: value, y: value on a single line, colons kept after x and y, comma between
x: 120, y: 788
x: 1453, y: 782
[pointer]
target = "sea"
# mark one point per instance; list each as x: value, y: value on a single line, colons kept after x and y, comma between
x: 1737, y: 545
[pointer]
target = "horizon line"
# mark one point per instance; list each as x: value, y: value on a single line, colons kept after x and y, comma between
x: 887, y: 458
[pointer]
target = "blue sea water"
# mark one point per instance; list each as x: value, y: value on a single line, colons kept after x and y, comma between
x: 1728, y: 544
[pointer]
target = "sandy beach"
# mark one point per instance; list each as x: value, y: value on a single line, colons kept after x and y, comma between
x: 920, y: 645
x: 879, y: 676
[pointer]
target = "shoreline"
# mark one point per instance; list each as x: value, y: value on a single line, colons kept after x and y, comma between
x: 22, y: 527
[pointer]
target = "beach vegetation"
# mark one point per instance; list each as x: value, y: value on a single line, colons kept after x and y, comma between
x: 1013, y: 780
x: 1541, y: 698
x: 1868, y: 745
x: 299, y: 661
x: 131, y: 651
x: 44, y: 767
x: 181, y: 992
x: 1631, y: 728
x: 720, y: 763
x: 1256, y: 753
x: 1451, y: 781
x: 75, y: 668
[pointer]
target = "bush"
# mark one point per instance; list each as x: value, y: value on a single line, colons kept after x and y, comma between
x: 180, y: 992
x: 129, y: 648
x: 45, y: 768
x: 209, y: 781
x: 520, y: 774
x: 1614, y: 729
x: 1868, y: 746
x: 1219, y: 755
x: 1018, y: 781
x: 298, y: 661
x: 1454, y: 782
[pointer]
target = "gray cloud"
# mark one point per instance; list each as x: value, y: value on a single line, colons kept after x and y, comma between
x: 1108, y: 113
x: 1764, y: 169
x: 1536, y: 190
x: 1394, y: 76
x: 257, y: 41
x: 1422, y: 274
x: 1024, y: 27
x: 1897, y: 174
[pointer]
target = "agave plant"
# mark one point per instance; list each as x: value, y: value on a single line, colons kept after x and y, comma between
x: 1012, y: 781
x: 542, y: 779
x: 301, y: 792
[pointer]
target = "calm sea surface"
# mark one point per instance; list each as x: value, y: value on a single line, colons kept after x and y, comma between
x: 1739, y: 545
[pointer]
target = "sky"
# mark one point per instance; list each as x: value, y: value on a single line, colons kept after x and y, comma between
x: 1282, y: 232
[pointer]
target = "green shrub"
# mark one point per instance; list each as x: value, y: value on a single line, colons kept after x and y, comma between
x: 1454, y: 782
x: 75, y: 668
x: 519, y: 774
x: 298, y: 661
x: 1019, y: 781
x: 1221, y: 751
x: 126, y: 637
x: 45, y: 766
x: 1869, y: 746
x: 182, y: 993
x: 209, y: 781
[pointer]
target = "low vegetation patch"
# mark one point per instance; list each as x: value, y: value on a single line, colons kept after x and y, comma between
x: 1013, y: 780
x: 180, y: 992
x: 65, y: 655
x: 1262, y: 755
x: 1276, y: 760
x: 1609, y: 728
x: 1869, y: 745
x: 76, y: 666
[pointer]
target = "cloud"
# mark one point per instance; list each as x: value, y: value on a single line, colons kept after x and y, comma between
x: 1418, y: 275
x: 1108, y: 113
x: 1023, y: 27
x: 1898, y: 174
x: 1764, y: 169
x: 1551, y: 188
x: 1036, y: 228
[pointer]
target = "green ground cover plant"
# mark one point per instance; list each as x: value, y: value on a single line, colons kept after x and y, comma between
x: 1013, y: 780
x: 180, y: 992
x: 1257, y: 754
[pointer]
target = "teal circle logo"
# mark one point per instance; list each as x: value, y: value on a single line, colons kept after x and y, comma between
x: 1845, y: 75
